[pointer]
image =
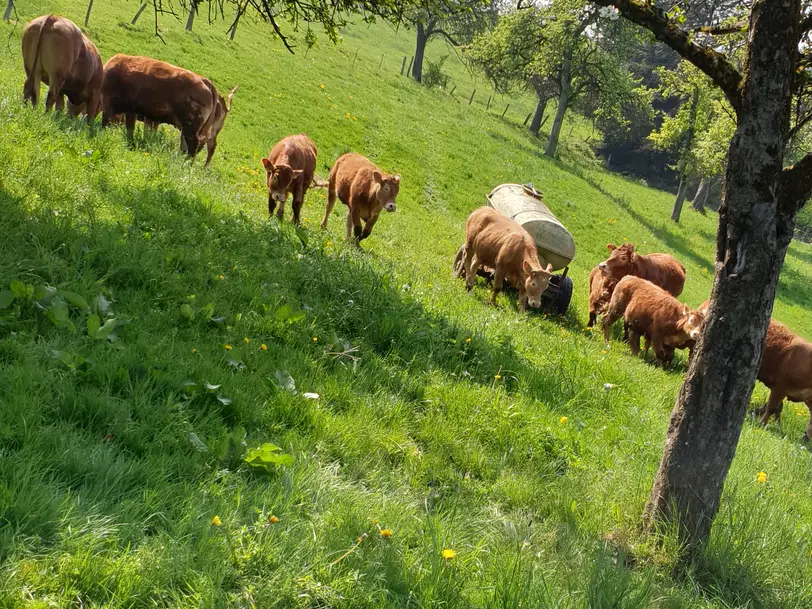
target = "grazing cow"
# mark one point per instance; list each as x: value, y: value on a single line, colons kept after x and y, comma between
x: 498, y: 242
x: 162, y: 93
x: 660, y: 269
x: 290, y: 166
x: 786, y: 370
x: 56, y: 52
x: 650, y: 311
x: 600, y: 292
x: 364, y: 189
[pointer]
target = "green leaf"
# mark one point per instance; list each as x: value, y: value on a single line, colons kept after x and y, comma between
x: 109, y: 327
x: 187, y: 312
x: 93, y: 325
x: 77, y: 300
x: 302, y: 234
x: 266, y: 456
x: 44, y: 293
x: 224, y: 400
x: 211, y: 388
x: 22, y: 291
x: 197, y: 443
x: 6, y: 299
x: 283, y: 313
x: 285, y: 381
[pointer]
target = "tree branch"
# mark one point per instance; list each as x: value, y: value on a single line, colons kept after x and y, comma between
x: 716, y: 65
x: 796, y: 183
x: 444, y: 34
x: 721, y: 30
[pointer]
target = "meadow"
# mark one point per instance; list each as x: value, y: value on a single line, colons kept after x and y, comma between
x: 429, y: 450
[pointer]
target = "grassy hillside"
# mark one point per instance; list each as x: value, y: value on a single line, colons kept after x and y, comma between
x: 517, y: 441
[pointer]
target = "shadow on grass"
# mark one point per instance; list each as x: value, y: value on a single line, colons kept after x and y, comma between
x: 672, y: 240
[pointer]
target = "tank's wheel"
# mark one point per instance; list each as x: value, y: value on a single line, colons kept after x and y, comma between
x: 564, y: 295
x: 459, y: 266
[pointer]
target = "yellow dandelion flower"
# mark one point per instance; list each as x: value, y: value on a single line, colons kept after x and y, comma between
x: 216, y: 521
x: 263, y: 347
x: 227, y: 347
x: 448, y: 554
x: 563, y: 420
x: 329, y: 244
x: 347, y: 116
x: 761, y: 477
x: 315, y: 339
x: 497, y: 376
x: 220, y: 277
x: 386, y: 533
x: 273, y: 519
x: 604, y: 352
x: 194, y: 350
x: 246, y: 340
x: 321, y: 86
x: 467, y: 340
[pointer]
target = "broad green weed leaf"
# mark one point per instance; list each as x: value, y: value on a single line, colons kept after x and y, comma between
x: 21, y: 290
x: 285, y: 381
x: 93, y: 325
x: 77, y: 300
x: 187, y: 312
x: 283, y: 313
x: 197, y: 442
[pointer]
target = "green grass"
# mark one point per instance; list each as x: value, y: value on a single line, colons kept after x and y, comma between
x: 508, y: 449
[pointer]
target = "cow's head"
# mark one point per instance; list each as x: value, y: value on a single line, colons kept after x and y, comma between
x: 536, y: 282
x: 279, y: 179
x: 388, y: 187
x: 691, y: 324
x: 620, y: 260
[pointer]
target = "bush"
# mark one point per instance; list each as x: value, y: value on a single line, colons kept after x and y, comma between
x: 433, y: 75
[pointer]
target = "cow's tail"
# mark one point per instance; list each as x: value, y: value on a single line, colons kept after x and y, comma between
x: 204, y: 133
x: 34, y: 76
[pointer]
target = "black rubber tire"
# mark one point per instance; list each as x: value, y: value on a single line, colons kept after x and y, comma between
x: 459, y: 268
x: 564, y: 295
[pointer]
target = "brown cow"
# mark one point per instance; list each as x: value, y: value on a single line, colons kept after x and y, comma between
x: 162, y: 93
x: 498, y: 242
x: 364, y: 189
x: 56, y: 52
x: 650, y: 311
x: 290, y: 166
x: 600, y: 292
x: 661, y: 269
x: 786, y: 370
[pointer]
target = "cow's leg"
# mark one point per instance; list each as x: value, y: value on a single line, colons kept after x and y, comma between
x: 610, y: 318
x: 775, y: 403
x: 659, y: 351
x: 271, y: 204
x: 368, y: 226
x: 280, y: 213
x: 31, y: 87
x: 184, y: 149
x: 646, y: 346
x: 349, y: 223
x: 592, y: 317
x: 331, y: 202
x: 129, y: 121
x: 190, y: 135
x: 211, y: 144
x: 634, y: 341
x: 498, y: 281
x: 355, y: 215
x: 92, y: 107
x: 298, y: 200
x: 471, y: 267
x: 55, y: 93
x: 522, y: 299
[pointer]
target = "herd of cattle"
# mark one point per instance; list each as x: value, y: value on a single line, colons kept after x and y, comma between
x: 641, y: 289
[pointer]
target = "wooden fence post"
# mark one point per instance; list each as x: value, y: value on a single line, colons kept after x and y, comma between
x: 472, y: 97
x: 353, y: 59
x: 402, y: 65
x: 380, y: 64
x: 452, y: 91
x: 409, y: 71
x: 505, y: 110
x: 488, y: 105
x: 527, y: 119
x: 87, y: 14
x: 9, y: 8
x: 138, y: 14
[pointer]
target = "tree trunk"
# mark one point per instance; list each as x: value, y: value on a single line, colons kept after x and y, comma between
x: 755, y: 228
x: 9, y: 8
x: 563, y: 102
x: 701, y: 196
x: 420, y: 50
x: 191, y: 20
x: 535, y: 124
x: 680, y: 200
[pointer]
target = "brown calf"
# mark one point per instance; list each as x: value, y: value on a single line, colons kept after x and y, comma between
x: 600, y: 292
x: 289, y: 167
x: 162, y: 93
x: 660, y: 269
x: 364, y: 189
x: 786, y: 370
x: 498, y: 242
x: 650, y: 311
x: 56, y: 52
